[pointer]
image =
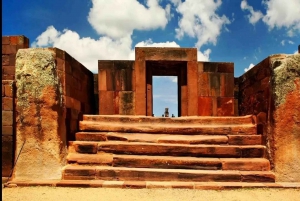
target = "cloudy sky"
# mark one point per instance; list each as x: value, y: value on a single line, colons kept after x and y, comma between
x: 239, y: 31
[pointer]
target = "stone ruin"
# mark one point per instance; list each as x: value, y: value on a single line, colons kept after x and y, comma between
x: 60, y: 122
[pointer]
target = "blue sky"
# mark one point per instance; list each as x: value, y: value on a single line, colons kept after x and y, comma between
x: 239, y: 31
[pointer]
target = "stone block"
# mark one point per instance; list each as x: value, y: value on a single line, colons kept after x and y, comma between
x: 205, y: 106
x: 9, y: 49
x: 7, y: 130
x: 9, y: 90
x: 210, y: 67
x: 8, y: 70
x: 5, y: 60
x: 214, y: 83
x: 126, y: 103
x: 12, y: 59
x: 226, y: 85
x: 225, y: 106
x: 203, y: 84
x: 102, y: 80
x: 192, y: 84
x: 106, y: 102
x: 41, y: 125
x: 7, y: 118
x: 226, y: 68
x: 7, y: 104
x: 5, y: 40
x: 140, y: 103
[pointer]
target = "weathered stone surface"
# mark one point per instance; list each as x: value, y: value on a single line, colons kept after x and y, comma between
x: 164, y: 128
x: 286, y: 131
x: 139, y: 148
x: 40, y: 119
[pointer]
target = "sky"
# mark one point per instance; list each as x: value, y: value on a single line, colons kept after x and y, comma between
x: 240, y: 31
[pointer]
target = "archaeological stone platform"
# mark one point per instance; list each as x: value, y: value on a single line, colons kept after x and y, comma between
x: 70, y: 127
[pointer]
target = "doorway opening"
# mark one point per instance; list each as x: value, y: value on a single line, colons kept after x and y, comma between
x: 165, y: 95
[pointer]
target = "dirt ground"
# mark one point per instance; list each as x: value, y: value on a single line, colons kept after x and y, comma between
x: 109, y: 194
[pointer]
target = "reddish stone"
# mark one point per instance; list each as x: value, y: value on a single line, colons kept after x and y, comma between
x: 225, y: 106
x: 8, y: 70
x: 106, y: 102
x: 225, y: 67
x: 203, y: 84
x: 8, y: 90
x: 9, y: 49
x: 86, y: 147
x: 102, y: 80
x: 205, y: 106
x: 12, y: 59
x: 192, y: 84
x: 7, y: 130
x: 5, y: 40
x: 7, y: 103
x: 244, y: 139
x: 5, y: 60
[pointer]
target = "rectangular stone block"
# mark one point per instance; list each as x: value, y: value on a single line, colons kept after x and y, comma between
x: 7, y: 118
x: 192, y: 84
x: 226, y: 85
x: 184, y: 102
x: 7, y: 130
x: 5, y: 60
x: 140, y: 104
x: 203, y: 84
x: 205, y: 106
x: 106, y: 102
x: 9, y: 49
x: 225, y: 106
x: 5, y: 40
x: 9, y: 90
x: 226, y: 68
x: 102, y: 80
x: 8, y: 70
x: 210, y: 67
x: 126, y: 103
x: 72, y: 103
x: 214, y: 82
x: 244, y: 139
x: 7, y: 103
x: 12, y: 59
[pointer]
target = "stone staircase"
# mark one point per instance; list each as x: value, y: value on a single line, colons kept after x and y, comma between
x: 140, y: 148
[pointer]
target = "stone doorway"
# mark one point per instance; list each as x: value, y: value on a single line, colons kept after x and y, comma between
x: 166, y: 68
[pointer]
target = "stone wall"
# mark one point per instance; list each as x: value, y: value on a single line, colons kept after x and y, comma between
x: 116, y: 87
x: 271, y: 92
x: 10, y: 46
x: 78, y: 89
x: 215, y: 89
x: 285, y: 119
x: 8, y: 126
x: 53, y: 91
x: 204, y: 88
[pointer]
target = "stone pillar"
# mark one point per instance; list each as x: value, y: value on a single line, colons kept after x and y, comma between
x: 40, y: 116
x: 285, y: 123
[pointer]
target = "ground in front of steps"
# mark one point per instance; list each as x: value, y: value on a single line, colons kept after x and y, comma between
x: 104, y: 194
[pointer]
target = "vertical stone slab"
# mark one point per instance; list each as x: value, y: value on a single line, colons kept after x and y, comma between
x: 192, y: 84
x: 40, y: 116
x: 285, y: 122
x: 106, y: 103
x: 140, y: 87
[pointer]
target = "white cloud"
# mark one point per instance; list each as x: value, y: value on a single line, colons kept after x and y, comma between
x: 286, y: 41
x: 88, y: 51
x: 254, y: 16
x: 118, y: 18
x: 250, y: 66
x: 278, y: 14
x: 283, y: 14
x: 200, y: 20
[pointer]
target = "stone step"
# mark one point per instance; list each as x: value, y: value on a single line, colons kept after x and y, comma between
x: 162, y: 149
x: 170, y: 162
x: 204, y: 120
x: 81, y: 172
x: 170, y: 138
x: 165, y: 128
